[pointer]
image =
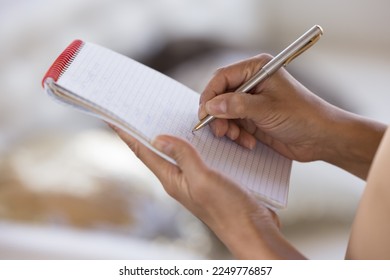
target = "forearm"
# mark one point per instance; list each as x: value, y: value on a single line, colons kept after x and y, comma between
x: 352, y: 142
x: 370, y: 233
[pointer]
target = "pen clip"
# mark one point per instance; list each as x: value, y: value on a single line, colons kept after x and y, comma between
x: 301, y: 50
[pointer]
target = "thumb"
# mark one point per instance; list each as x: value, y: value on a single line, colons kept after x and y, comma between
x: 185, y: 155
x: 235, y: 106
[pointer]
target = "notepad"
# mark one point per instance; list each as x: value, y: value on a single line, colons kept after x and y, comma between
x: 146, y: 103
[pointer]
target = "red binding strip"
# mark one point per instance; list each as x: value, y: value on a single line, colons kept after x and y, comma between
x: 63, y: 61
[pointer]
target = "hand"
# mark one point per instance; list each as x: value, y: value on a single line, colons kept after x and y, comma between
x: 280, y: 112
x: 286, y: 116
x: 246, y: 227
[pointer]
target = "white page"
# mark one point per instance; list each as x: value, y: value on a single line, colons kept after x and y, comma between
x: 153, y: 104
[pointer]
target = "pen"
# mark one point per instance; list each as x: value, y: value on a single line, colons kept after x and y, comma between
x: 282, y: 59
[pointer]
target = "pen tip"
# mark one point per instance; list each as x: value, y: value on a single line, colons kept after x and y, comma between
x: 197, y: 127
x: 203, y: 122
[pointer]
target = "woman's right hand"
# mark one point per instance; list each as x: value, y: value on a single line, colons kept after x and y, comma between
x: 283, y: 114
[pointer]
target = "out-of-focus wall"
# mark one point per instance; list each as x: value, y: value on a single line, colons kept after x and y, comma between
x: 356, y: 25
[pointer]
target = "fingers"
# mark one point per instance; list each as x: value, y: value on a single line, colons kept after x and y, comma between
x: 159, y: 166
x: 219, y: 127
x: 229, y: 78
x: 185, y: 155
x: 242, y: 134
x: 187, y: 158
x: 236, y: 106
x: 231, y: 106
x: 246, y: 139
x: 192, y: 169
x: 244, y: 107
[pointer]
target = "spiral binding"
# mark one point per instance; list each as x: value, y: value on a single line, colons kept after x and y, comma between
x: 63, y: 61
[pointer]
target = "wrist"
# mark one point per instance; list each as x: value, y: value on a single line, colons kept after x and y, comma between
x: 352, y: 142
x: 256, y: 235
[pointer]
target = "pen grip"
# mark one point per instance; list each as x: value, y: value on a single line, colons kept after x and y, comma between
x: 282, y: 59
x: 260, y: 76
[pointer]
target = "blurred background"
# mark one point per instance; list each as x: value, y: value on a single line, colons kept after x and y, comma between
x: 70, y: 189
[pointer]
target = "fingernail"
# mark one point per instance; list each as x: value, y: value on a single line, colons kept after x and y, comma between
x: 216, y: 107
x: 250, y: 144
x: 162, y: 145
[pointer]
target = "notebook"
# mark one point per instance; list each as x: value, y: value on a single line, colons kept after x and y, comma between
x: 146, y: 103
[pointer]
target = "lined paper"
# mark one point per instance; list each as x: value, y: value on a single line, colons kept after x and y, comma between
x: 152, y: 104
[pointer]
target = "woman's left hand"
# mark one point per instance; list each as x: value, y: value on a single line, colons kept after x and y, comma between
x: 242, y: 223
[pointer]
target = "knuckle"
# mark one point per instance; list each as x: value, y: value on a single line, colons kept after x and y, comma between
x: 263, y: 58
x: 219, y: 71
x: 260, y: 60
x: 238, y: 105
x: 253, y: 64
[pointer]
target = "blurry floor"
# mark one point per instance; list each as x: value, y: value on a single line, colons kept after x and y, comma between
x: 24, y: 241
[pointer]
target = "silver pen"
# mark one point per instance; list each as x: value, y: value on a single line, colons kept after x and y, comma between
x: 282, y: 59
